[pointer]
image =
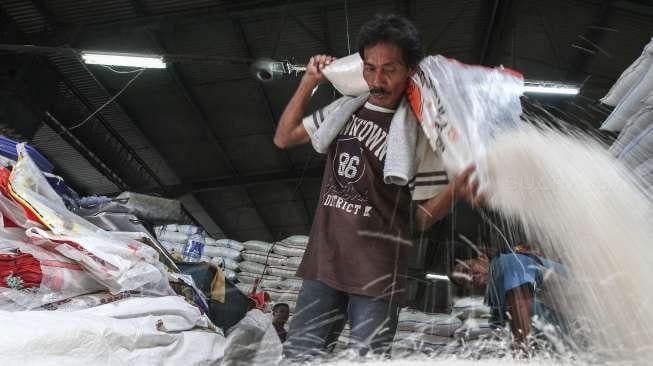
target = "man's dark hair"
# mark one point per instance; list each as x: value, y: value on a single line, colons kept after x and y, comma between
x: 280, y: 304
x: 393, y: 29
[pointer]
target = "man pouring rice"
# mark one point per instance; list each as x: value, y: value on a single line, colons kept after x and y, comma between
x: 354, y: 268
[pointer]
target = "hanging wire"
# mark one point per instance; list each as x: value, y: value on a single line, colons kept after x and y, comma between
x: 140, y: 71
x: 119, y: 71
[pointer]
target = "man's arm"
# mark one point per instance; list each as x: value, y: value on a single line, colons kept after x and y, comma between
x: 436, y: 208
x: 290, y: 130
x: 519, y: 302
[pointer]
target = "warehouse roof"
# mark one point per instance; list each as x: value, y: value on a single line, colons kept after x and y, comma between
x: 204, y: 126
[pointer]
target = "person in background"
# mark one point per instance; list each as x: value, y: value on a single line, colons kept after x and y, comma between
x: 355, y: 264
x: 280, y: 313
x: 515, y: 284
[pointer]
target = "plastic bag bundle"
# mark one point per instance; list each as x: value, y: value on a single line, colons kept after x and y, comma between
x: 346, y: 75
x: 155, y: 209
x: 28, y: 186
x: 461, y: 108
x: 117, y: 263
x: 253, y: 341
x: 59, y: 279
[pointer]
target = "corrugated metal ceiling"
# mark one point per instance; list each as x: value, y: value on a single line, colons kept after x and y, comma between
x: 160, y: 120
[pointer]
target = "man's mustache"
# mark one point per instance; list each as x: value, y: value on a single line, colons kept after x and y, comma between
x: 379, y: 91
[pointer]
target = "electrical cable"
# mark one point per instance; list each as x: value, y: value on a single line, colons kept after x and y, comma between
x: 108, y: 101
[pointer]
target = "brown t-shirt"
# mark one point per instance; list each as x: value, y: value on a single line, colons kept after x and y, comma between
x: 358, y: 242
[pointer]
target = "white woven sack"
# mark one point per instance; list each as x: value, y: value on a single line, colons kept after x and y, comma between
x: 630, y: 77
x: 231, y: 275
x: 169, y: 227
x: 436, y: 324
x: 209, y: 241
x: 636, y: 125
x: 249, y: 277
x: 262, y: 285
x: 211, y: 251
x: 173, y: 247
x: 188, y: 229
x: 173, y: 236
x: 296, y: 240
x: 282, y: 295
x: 291, y: 284
x: 288, y: 251
x: 257, y: 245
x: 648, y: 101
x: 470, y: 307
x: 283, y: 272
x: 346, y: 75
x: 293, y: 262
x: 225, y: 263
x: 630, y: 104
x: 230, y: 243
x: 263, y: 258
x: 253, y: 267
x: 419, y: 341
x: 474, y: 329
x: 245, y: 288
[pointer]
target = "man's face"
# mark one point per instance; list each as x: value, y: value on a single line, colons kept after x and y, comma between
x: 472, y: 272
x: 386, y: 74
x: 281, y: 314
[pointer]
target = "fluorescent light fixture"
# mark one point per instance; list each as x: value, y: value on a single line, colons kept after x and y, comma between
x: 435, y: 276
x: 124, y: 59
x: 543, y: 87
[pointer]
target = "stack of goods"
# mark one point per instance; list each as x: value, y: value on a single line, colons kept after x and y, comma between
x: 475, y: 315
x: 225, y: 253
x: 445, y: 333
x: 422, y: 332
x: 276, y: 265
x: 55, y: 260
x: 632, y: 97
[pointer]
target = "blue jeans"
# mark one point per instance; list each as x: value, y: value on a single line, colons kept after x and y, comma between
x: 321, y: 313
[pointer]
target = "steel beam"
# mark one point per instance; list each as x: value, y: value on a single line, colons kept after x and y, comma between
x: 249, y: 180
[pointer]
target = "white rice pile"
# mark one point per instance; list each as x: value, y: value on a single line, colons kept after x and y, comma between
x: 581, y: 206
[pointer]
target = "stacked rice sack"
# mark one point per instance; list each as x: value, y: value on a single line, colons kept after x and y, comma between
x: 225, y: 253
x: 422, y: 332
x: 276, y: 264
x: 427, y: 333
x: 475, y: 316
x: 174, y: 236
